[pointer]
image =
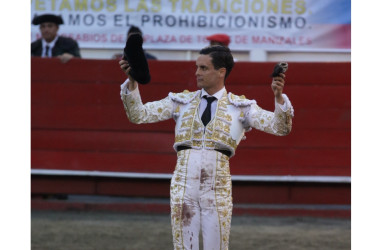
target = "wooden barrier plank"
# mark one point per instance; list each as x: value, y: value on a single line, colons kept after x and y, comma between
x: 77, y: 70
x: 321, y: 72
x: 114, y: 117
x: 333, y: 194
x: 243, y: 192
x: 103, y: 161
x: 184, y: 72
x: 330, y: 162
x: 109, y: 117
x: 83, y: 140
x: 299, y: 138
x: 116, y: 141
x: 55, y: 185
x: 134, y: 187
x: 334, y: 162
x: 291, y: 193
x: 302, y: 97
x: 61, y: 93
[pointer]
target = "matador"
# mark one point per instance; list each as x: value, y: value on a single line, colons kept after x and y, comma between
x: 210, y: 123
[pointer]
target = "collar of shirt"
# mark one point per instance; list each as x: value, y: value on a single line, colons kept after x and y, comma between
x: 204, y: 103
x: 217, y: 95
x: 51, y: 45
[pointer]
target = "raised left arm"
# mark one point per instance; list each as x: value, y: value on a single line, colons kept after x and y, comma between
x: 278, y: 122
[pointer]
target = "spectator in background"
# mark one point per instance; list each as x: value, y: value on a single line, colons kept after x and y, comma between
x: 51, y: 44
x: 134, y: 29
x: 219, y: 39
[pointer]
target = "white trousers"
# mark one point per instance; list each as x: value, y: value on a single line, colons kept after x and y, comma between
x: 200, y: 197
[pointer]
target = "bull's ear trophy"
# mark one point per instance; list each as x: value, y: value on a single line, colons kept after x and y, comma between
x: 134, y: 54
x: 279, y: 68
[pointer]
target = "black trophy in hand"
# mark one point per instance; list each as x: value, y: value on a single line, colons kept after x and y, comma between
x: 134, y: 54
x: 279, y: 68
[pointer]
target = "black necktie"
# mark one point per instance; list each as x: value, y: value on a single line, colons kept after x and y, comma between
x: 46, y: 51
x: 205, y: 118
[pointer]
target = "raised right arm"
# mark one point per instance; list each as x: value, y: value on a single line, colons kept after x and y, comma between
x: 151, y: 112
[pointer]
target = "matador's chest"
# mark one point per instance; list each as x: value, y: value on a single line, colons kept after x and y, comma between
x: 224, y: 131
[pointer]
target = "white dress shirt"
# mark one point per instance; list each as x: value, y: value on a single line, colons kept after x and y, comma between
x: 204, y: 102
x: 51, y: 45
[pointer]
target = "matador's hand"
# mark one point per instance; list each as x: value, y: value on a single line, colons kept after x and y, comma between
x: 125, y: 66
x: 277, y: 86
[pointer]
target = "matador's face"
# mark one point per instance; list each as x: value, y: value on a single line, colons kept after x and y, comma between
x: 207, y: 76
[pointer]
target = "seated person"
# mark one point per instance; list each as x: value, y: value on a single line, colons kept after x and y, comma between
x: 52, y: 45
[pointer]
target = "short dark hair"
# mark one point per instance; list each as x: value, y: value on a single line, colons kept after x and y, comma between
x: 221, y: 57
x: 134, y: 29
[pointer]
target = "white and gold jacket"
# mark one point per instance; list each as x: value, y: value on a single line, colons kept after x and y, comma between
x: 234, y: 116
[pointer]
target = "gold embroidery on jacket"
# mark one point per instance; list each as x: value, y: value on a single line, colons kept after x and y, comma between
x: 223, y: 197
x: 177, y: 191
x: 217, y: 131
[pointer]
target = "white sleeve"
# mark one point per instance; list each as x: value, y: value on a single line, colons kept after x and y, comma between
x: 151, y: 112
x: 278, y: 122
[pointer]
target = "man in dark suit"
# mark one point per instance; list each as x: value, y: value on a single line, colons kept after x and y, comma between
x: 52, y: 45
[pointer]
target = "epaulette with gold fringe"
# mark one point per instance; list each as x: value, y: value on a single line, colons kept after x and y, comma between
x: 184, y: 97
x: 240, y: 101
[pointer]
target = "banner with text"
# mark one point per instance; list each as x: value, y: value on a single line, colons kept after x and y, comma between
x: 279, y: 25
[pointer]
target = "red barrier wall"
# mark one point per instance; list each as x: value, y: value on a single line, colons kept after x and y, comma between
x: 78, y: 121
